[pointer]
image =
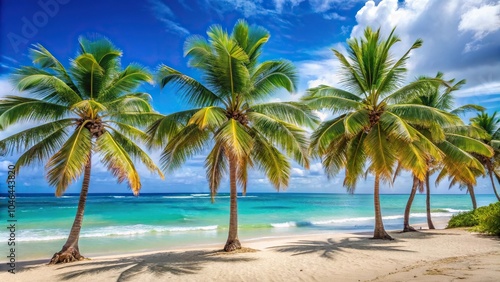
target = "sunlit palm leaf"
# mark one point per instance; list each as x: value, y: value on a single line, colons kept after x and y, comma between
x: 118, y: 161
x: 68, y: 163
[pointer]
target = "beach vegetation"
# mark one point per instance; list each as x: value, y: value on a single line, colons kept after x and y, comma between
x: 484, y: 219
x: 459, y: 144
x: 375, y: 128
x: 491, y: 124
x: 88, y: 111
x: 230, y: 119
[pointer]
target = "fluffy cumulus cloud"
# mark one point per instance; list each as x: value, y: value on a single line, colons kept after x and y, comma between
x: 461, y: 38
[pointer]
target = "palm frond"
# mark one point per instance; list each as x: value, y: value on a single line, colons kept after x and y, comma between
x: 356, y: 156
x: 271, y: 76
x: 290, y: 138
x: 235, y: 138
x: 46, y: 86
x: 194, y: 92
x: 67, y: 164
x: 380, y: 152
x: 189, y: 141
x: 134, y: 151
x: 211, y: 117
x: 30, y: 137
x: 15, y: 109
x: 291, y: 112
x: 118, y: 161
x: 165, y: 127
x: 326, y: 133
x: 126, y: 81
x: 274, y: 164
x: 216, y: 165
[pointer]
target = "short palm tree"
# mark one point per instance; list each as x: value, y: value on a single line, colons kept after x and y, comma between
x: 241, y: 132
x: 88, y: 109
x: 490, y: 124
x: 375, y: 128
x: 457, y: 146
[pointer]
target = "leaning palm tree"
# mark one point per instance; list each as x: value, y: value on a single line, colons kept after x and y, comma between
x: 375, y: 129
x: 241, y: 132
x: 88, y: 109
x: 490, y: 124
x: 457, y: 146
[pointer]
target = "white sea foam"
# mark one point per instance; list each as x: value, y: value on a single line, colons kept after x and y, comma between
x: 354, y: 220
x: 200, y: 195
x: 284, y: 224
x: 454, y: 210
x: 110, y: 231
x: 178, y: 197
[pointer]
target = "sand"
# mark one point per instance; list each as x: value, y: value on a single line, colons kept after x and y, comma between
x: 427, y: 255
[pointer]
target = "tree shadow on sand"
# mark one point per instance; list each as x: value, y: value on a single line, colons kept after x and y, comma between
x: 329, y: 248
x: 160, y: 264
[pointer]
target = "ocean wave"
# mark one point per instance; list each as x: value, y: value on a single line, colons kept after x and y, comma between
x: 110, y: 231
x: 284, y: 224
x: 178, y: 197
x: 354, y: 220
x: 200, y: 195
x: 451, y: 210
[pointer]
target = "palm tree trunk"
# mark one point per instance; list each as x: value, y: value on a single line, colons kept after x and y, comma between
x: 406, y: 224
x: 493, y: 184
x: 233, y: 243
x: 428, y: 201
x: 470, y: 188
x: 70, y: 251
x: 379, y: 232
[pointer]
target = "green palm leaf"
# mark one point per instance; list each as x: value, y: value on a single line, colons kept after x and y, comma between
x: 68, y: 163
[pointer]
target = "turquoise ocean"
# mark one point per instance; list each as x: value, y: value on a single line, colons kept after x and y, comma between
x: 121, y: 223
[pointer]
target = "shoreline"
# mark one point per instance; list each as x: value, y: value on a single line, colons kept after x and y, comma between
x: 436, y: 255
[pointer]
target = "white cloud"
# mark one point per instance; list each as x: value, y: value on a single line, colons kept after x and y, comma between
x: 334, y: 16
x: 165, y: 15
x: 279, y: 4
x: 454, y: 40
x: 4, y: 165
x: 481, y: 20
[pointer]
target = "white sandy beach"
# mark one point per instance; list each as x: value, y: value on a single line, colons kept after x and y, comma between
x: 428, y: 255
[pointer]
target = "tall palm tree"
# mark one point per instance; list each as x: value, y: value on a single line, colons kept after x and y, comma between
x: 375, y: 129
x: 490, y: 124
x: 241, y: 132
x: 88, y: 109
x: 457, y: 145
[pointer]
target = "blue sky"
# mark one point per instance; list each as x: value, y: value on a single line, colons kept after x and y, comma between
x: 461, y: 39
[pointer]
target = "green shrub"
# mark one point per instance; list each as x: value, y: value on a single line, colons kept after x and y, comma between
x: 489, y: 219
x: 463, y: 219
x: 484, y: 219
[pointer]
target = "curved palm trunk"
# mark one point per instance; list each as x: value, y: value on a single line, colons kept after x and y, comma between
x: 493, y: 184
x: 379, y: 232
x: 70, y: 251
x: 233, y: 243
x: 470, y: 188
x: 428, y: 201
x: 406, y: 224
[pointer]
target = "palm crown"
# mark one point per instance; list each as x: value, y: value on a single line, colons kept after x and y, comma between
x: 241, y: 131
x: 91, y: 107
x: 376, y: 128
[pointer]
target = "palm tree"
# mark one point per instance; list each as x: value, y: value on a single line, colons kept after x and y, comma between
x: 490, y: 124
x: 375, y: 129
x: 241, y: 132
x: 82, y: 111
x: 457, y: 145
